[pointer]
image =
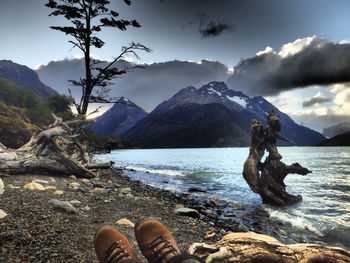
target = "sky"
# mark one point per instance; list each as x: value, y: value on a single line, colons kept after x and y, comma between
x: 294, y: 53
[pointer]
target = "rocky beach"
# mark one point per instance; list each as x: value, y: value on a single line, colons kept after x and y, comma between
x: 56, y: 221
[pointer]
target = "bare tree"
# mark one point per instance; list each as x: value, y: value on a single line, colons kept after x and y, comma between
x: 88, y: 18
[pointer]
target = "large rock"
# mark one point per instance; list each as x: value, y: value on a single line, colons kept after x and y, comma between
x: 62, y: 206
x: 252, y: 247
x: 184, y: 211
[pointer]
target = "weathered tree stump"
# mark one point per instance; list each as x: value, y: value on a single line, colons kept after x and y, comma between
x: 267, y: 178
x: 256, y: 248
x: 43, y: 155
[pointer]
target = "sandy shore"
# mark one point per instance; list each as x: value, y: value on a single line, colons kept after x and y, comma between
x: 36, y: 231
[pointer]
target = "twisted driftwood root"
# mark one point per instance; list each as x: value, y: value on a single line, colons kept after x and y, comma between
x: 267, y: 178
x: 43, y: 155
x: 256, y: 248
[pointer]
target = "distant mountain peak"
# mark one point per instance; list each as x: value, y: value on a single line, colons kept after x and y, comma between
x: 26, y: 77
x: 122, y: 116
x: 126, y: 101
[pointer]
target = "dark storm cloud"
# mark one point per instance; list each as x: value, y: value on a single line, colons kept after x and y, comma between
x: 316, y: 100
x: 148, y: 86
x: 212, y: 28
x: 320, y: 62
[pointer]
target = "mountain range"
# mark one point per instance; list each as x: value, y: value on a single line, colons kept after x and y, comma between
x: 26, y: 77
x: 211, y: 116
x: 337, y: 129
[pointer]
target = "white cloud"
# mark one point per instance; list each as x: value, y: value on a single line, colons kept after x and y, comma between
x: 298, y: 45
x: 267, y: 50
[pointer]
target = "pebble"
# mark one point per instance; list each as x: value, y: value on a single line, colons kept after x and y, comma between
x: 40, y: 181
x: 125, y: 190
x: 50, y: 187
x: 213, y: 202
x: 11, y: 186
x: 2, y: 214
x: 229, y: 214
x: 187, y: 212
x: 86, y: 208
x: 75, y: 202
x: 209, y: 212
x: 58, y: 192
x: 85, y: 181
x: 239, y: 207
x: 52, y: 180
x: 63, y: 206
x: 98, y: 191
x: 2, y: 187
x: 125, y: 221
x: 34, y: 186
x: 73, y: 185
x: 73, y: 177
x: 209, y: 234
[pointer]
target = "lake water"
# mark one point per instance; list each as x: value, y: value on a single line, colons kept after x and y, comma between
x: 325, y: 208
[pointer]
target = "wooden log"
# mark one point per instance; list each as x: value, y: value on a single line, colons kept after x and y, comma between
x: 98, y: 165
x: 256, y: 248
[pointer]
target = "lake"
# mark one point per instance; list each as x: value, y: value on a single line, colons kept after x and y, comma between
x: 325, y: 208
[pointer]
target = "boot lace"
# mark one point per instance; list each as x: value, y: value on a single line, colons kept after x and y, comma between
x: 161, y: 248
x: 116, y: 253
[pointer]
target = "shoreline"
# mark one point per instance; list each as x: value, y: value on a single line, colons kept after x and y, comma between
x: 34, y: 231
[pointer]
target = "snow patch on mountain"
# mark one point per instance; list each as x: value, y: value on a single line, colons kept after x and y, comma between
x: 239, y: 100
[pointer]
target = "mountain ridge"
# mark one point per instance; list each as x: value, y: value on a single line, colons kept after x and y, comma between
x: 26, y: 77
x: 158, y: 127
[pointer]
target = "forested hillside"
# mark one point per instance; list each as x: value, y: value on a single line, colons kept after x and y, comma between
x: 22, y: 113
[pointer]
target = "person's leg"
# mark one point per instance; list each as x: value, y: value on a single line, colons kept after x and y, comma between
x: 158, y: 245
x: 113, y: 247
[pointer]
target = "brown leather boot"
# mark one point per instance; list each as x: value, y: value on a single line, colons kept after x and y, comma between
x: 156, y: 242
x: 113, y: 247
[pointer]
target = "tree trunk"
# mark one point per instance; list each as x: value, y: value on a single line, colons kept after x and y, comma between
x: 256, y: 248
x: 43, y: 155
x: 267, y: 179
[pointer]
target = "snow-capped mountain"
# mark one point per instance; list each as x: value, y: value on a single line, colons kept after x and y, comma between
x: 118, y: 119
x: 212, y: 115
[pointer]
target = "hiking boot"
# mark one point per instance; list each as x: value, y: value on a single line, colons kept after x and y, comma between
x: 113, y: 247
x: 156, y: 242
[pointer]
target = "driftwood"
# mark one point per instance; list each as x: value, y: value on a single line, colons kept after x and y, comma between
x: 43, y: 153
x: 256, y: 248
x: 91, y: 166
x: 267, y: 178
